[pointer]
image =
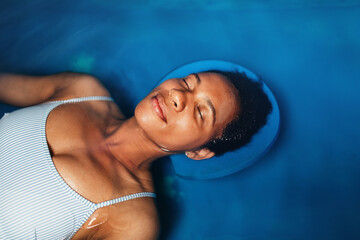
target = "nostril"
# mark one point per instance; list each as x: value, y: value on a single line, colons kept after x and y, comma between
x: 175, y: 104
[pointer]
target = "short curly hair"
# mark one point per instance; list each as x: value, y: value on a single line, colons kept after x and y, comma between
x: 255, y: 107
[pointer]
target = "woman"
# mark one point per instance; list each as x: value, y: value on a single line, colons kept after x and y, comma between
x: 67, y: 162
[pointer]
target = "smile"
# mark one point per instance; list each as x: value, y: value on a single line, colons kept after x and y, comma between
x: 158, y: 107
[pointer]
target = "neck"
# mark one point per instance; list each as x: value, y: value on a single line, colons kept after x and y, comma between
x: 127, y: 143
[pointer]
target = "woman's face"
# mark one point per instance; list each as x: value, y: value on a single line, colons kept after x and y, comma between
x: 185, y: 113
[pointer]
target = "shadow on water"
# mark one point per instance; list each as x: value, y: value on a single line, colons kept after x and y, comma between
x: 115, y: 83
x: 166, y: 188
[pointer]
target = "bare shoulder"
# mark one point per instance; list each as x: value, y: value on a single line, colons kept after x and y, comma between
x: 141, y: 222
x: 78, y: 85
x: 134, y: 219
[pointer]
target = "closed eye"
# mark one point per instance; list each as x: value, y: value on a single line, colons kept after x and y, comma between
x: 201, y: 116
x: 187, y: 85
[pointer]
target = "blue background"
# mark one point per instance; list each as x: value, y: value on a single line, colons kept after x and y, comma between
x: 307, y: 52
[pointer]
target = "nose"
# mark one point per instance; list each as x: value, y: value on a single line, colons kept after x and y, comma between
x: 179, y: 98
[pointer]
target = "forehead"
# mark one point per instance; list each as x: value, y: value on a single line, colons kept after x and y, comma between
x: 215, y: 83
x: 222, y: 94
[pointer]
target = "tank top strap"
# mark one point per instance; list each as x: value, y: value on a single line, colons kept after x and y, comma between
x: 124, y: 198
x: 83, y: 99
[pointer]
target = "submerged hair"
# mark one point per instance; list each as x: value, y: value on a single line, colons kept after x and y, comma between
x: 254, y: 105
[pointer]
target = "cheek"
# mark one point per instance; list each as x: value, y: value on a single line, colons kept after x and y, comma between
x: 186, y: 135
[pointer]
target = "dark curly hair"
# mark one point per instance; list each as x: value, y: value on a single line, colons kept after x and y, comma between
x: 255, y: 107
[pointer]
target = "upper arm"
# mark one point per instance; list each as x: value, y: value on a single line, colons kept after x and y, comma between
x: 142, y: 223
x: 21, y: 90
x: 141, y: 232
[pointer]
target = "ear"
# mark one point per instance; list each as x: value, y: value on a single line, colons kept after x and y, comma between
x: 200, y: 154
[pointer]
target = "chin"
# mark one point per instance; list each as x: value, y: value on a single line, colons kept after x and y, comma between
x: 141, y: 114
x: 145, y: 118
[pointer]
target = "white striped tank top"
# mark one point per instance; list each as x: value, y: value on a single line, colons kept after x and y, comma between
x: 35, y: 202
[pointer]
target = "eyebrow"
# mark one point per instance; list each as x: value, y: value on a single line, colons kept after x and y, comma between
x: 198, y: 81
x: 208, y: 101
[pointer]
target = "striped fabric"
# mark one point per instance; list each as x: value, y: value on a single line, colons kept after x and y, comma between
x: 35, y: 202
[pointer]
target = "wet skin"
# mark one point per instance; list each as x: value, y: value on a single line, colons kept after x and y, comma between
x: 185, y: 113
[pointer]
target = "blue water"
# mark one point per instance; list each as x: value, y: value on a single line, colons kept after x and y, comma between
x: 307, y: 52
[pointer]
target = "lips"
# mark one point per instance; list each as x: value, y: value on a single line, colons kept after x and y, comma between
x: 158, y: 107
